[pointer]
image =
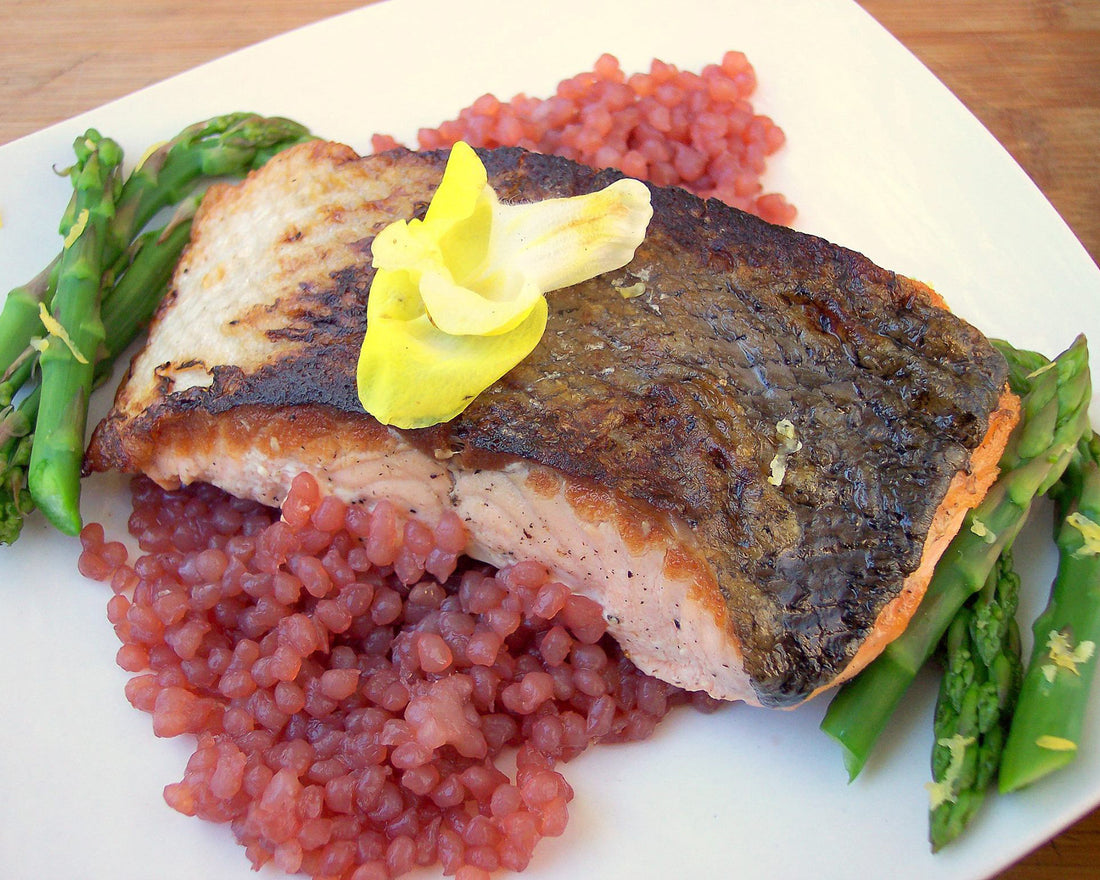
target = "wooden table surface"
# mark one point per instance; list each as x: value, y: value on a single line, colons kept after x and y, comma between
x: 1028, y: 69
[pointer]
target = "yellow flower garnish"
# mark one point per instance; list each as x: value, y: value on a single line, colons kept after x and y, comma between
x: 458, y: 297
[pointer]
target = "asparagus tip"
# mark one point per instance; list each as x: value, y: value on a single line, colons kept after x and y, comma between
x: 56, y: 493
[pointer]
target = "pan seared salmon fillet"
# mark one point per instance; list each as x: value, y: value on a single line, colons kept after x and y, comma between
x: 749, y: 445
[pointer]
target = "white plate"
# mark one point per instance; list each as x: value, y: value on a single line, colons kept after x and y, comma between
x: 880, y: 157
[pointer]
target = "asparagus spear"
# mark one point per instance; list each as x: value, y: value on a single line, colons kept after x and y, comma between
x: 977, y: 695
x: 1023, y: 365
x: 15, y: 453
x: 1054, y: 417
x: 20, y: 318
x: 68, y: 359
x: 1046, y: 728
x: 127, y: 308
x: 224, y: 146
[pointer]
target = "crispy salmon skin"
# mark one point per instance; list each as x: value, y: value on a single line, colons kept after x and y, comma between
x: 749, y: 445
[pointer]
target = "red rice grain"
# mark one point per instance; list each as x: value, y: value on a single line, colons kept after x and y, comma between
x: 353, y: 710
x: 673, y: 127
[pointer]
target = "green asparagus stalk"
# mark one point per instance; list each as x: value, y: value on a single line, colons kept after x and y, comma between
x: 977, y: 695
x: 68, y: 360
x: 1046, y: 728
x: 129, y: 305
x: 127, y: 308
x: 1054, y: 417
x: 15, y: 453
x: 20, y: 317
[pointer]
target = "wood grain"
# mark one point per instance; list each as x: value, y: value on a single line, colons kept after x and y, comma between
x: 1028, y: 69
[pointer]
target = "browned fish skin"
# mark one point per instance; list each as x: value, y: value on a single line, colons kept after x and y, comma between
x: 672, y: 398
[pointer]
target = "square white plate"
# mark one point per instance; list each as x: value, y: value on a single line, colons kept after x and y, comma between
x: 880, y: 157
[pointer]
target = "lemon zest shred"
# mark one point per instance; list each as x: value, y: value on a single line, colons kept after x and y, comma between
x: 76, y: 229
x: 943, y: 792
x: 1055, y: 743
x: 145, y: 156
x: 1090, y: 532
x: 983, y: 531
x: 1064, y: 655
x: 789, y: 444
x: 54, y: 328
x: 1038, y: 372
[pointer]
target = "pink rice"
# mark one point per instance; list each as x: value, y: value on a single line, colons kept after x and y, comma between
x: 355, y: 685
x: 669, y: 126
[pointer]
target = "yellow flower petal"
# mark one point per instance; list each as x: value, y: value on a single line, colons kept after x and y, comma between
x: 413, y: 375
x: 394, y: 297
x: 464, y: 181
x: 460, y: 311
x: 406, y: 246
x: 560, y: 242
x: 458, y: 297
x: 461, y: 211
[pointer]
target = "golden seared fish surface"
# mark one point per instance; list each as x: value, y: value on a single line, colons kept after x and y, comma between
x: 752, y: 462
